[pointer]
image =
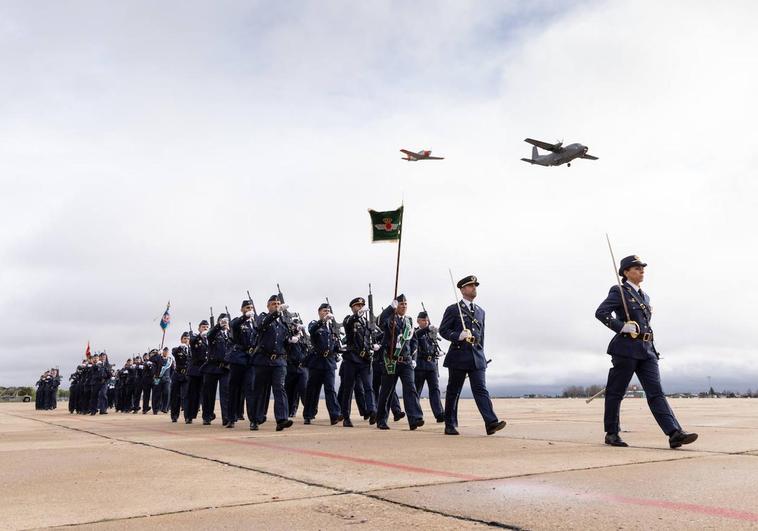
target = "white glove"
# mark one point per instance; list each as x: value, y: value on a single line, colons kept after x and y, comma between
x: 395, y: 303
x: 294, y: 339
x: 630, y: 328
x: 433, y: 330
x: 283, y: 307
x: 464, y: 335
x: 328, y: 317
x: 301, y: 327
x: 362, y: 312
x: 376, y: 347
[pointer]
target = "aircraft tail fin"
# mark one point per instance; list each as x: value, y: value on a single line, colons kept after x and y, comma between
x: 535, y: 153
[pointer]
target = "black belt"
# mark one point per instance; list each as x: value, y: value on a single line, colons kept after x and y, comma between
x: 326, y: 353
x: 273, y: 355
x: 647, y: 337
x: 430, y: 358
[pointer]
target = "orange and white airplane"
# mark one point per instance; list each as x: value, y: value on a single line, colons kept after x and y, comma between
x: 410, y: 156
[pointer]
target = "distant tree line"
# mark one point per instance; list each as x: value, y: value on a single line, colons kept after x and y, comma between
x: 579, y: 391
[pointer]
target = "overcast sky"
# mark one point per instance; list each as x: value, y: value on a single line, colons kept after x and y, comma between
x: 193, y: 150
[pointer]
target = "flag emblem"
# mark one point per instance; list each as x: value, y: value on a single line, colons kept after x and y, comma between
x: 386, y: 225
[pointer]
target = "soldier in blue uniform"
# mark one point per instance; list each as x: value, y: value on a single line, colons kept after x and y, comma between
x: 215, y: 371
x: 298, y: 357
x: 138, y: 389
x: 356, y: 364
x: 377, y: 370
x: 400, y: 346
x: 633, y: 352
x: 322, y: 366
x: 240, y: 360
x: 198, y: 356
x: 426, y: 364
x: 465, y: 357
x: 270, y: 361
x: 179, y: 379
x: 146, y: 383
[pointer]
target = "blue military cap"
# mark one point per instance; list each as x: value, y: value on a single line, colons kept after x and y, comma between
x: 423, y: 315
x: 324, y: 306
x: 465, y: 281
x: 204, y: 323
x: 358, y: 300
x: 246, y: 302
x: 273, y: 298
x: 401, y: 298
x: 630, y: 261
x: 185, y: 334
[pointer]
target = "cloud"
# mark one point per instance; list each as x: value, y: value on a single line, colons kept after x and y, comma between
x: 152, y: 153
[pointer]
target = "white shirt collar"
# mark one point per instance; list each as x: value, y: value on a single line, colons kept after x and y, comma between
x: 635, y: 286
x: 468, y: 304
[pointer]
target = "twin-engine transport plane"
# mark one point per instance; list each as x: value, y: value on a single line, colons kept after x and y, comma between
x: 559, y: 154
x: 410, y: 156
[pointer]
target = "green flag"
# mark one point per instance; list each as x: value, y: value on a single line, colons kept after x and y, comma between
x: 385, y: 226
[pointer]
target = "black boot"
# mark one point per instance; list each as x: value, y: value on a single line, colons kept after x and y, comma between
x: 613, y: 439
x: 680, y: 437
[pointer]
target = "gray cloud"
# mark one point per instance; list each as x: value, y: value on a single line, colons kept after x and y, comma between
x: 152, y: 153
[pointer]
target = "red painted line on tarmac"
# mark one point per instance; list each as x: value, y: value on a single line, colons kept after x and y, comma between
x: 688, y: 507
x: 360, y: 460
x: 315, y: 453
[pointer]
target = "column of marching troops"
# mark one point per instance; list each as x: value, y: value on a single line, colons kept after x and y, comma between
x: 247, y: 359
x: 47, y: 390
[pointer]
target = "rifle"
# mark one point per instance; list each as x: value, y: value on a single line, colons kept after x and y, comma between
x: 434, y: 336
x: 250, y: 298
x: 229, y: 318
x: 335, y: 326
x: 190, y: 331
x: 213, y: 319
x: 286, y: 314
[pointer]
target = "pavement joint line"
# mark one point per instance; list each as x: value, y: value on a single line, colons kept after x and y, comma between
x: 337, y: 490
x: 184, y: 511
x: 535, y: 474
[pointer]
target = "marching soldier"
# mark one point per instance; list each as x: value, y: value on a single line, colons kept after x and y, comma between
x: 400, y: 348
x: 215, y: 370
x: 179, y: 379
x: 139, y: 368
x: 322, y: 367
x: 270, y: 361
x: 377, y: 369
x: 463, y: 325
x: 146, y: 383
x: 632, y: 352
x: 199, y: 355
x: 426, y: 364
x: 296, y: 381
x: 356, y: 364
x: 240, y: 360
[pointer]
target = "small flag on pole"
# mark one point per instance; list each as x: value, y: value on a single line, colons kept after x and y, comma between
x: 385, y: 226
x: 88, y: 352
x: 166, y: 319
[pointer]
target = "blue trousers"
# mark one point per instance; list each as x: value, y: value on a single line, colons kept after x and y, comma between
x: 478, y: 383
x: 352, y: 373
x: 647, y: 371
x: 378, y: 370
x: 210, y: 383
x: 296, y: 384
x: 179, y: 388
x: 102, y: 398
x: 161, y: 395
x: 403, y: 372
x: 316, y: 379
x: 271, y: 377
x: 241, y: 378
x: 431, y: 378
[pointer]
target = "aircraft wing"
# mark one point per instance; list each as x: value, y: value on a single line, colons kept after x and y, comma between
x: 411, y: 154
x: 543, y: 145
x: 435, y: 158
x: 587, y: 156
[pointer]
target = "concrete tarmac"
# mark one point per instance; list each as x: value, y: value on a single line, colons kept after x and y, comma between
x: 548, y: 469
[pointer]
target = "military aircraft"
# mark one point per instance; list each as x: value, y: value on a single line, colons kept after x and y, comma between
x: 410, y: 156
x: 559, y: 154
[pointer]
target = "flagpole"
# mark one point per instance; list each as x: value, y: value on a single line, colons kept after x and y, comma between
x: 391, y: 344
x: 399, y: 243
